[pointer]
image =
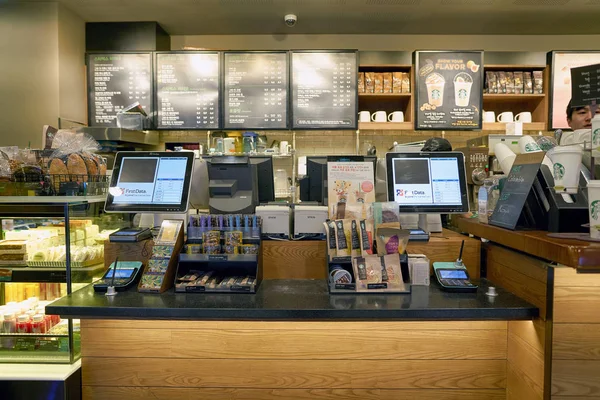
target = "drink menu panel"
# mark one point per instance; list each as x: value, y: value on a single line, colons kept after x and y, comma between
x: 116, y: 81
x: 187, y: 90
x: 324, y: 90
x: 449, y: 90
x: 255, y: 90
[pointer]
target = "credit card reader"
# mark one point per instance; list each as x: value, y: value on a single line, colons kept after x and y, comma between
x: 130, y: 235
x: 126, y: 275
x: 453, y: 276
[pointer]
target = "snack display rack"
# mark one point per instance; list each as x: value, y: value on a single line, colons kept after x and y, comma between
x: 220, y: 273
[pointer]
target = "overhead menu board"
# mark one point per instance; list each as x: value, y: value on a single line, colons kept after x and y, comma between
x: 449, y: 90
x: 585, y: 87
x: 115, y: 81
x: 255, y: 90
x: 187, y: 90
x: 324, y: 90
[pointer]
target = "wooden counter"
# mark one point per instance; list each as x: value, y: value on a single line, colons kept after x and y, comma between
x: 558, y: 355
x: 572, y: 253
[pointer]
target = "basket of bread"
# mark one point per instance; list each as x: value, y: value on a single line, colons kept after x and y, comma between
x: 70, y: 168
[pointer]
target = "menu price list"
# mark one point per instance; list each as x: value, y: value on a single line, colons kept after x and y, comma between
x: 324, y: 90
x: 255, y: 90
x: 585, y: 89
x: 449, y: 88
x: 117, y: 81
x: 187, y: 90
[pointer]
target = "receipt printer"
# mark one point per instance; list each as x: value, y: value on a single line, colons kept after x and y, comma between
x: 308, y: 221
x: 276, y: 220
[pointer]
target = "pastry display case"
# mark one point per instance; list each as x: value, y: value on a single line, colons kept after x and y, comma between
x: 50, y: 247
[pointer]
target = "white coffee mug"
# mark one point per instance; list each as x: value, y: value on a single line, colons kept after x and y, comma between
x: 379, y: 116
x: 489, y: 116
x: 524, y: 117
x: 396, y: 116
x: 506, y: 116
x: 284, y: 148
x: 364, y: 116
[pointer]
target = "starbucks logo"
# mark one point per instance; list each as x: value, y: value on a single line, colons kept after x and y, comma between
x: 595, y: 208
x: 462, y: 94
x: 596, y: 137
x: 435, y: 94
x: 529, y: 147
x: 559, y: 171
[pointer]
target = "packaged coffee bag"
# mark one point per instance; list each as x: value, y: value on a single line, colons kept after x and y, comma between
x: 527, y: 83
x: 397, y: 82
x: 510, y: 82
x: 519, y: 82
x: 502, y: 82
x: 369, y: 82
x: 361, y: 82
x: 538, y: 82
x: 387, y: 82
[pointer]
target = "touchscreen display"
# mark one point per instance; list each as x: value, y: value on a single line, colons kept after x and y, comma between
x: 453, y: 274
x: 150, y: 180
x: 121, y: 273
x: 427, y: 181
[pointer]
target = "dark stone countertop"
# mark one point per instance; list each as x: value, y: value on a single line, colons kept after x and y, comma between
x: 297, y: 300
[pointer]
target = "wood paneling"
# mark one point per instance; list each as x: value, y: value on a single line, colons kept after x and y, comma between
x: 565, y: 276
x: 518, y: 386
x: 445, y: 246
x: 144, y: 393
x: 575, y: 378
x: 576, y: 342
x: 294, y: 259
x: 528, y: 363
x: 298, y: 344
x: 531, y: 332
x: 291, y: 325
x: 577, y: 304
x: 317, y: 374
x: 518, y: 274
x: 139, y: 251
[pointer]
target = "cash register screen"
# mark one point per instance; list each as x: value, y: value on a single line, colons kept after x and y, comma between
x: 432, y: 182
x: 456, y: 274
x: 120, y: 274
x: 150, y: 182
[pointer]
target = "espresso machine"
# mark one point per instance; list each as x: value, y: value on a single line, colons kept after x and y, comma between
x: 477, y: 162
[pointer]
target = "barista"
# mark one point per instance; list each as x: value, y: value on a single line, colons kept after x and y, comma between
x: 580, y: 117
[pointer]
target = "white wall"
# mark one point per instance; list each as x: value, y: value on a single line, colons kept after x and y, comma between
x: 390, y: 42
x: 71, y: 66
x: 28, y: 72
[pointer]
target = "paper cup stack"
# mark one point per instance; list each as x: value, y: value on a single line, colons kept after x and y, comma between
x: 594, y: 208
x: 506, y: 157
x: 567, y: 166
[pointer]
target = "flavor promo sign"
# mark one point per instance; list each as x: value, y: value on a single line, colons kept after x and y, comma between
x: 449, y: 90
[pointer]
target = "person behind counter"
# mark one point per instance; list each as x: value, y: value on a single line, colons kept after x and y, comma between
x: 580, y: 117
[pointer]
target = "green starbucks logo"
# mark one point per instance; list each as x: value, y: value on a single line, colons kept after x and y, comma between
x: 435, y: 94
x: 516, y: 169
x: 596, y: 137
x: 529, y: 147
x: 559, y: 171
x: 462, y: 94
x: 595, y: 208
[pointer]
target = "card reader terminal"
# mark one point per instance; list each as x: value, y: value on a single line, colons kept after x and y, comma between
x: 126, y: 275
x: 453, y: 276
x: 129, y: 235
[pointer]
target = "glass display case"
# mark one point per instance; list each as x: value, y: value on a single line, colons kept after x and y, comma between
x: 50, y: 247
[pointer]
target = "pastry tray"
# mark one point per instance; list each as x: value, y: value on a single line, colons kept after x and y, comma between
x: 63, y: 264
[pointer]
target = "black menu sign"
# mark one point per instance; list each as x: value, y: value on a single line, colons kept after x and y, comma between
x: 585, y: 85
x: 187, y: 90
x: 115, y: 81
x: 324, y: 93
x: 449, y: 90
x: 516, y: 189
x: 255, y: 90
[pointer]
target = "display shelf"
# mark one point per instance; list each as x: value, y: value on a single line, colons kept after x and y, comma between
x: 384, y: 95
x: 514, y: 96
x: 218, y: 258
x: 386, y: 126
x: 385, y: 67
x: 501, y: 126
x: 513, y: 67
x: 51, y: 275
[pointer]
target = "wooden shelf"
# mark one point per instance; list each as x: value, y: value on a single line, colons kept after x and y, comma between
x: 501, y: 96
x: 513, y: 67
x: 386, y: 126
x: 501, y: 126
x: 396, y: 67
x: 385, y: 95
